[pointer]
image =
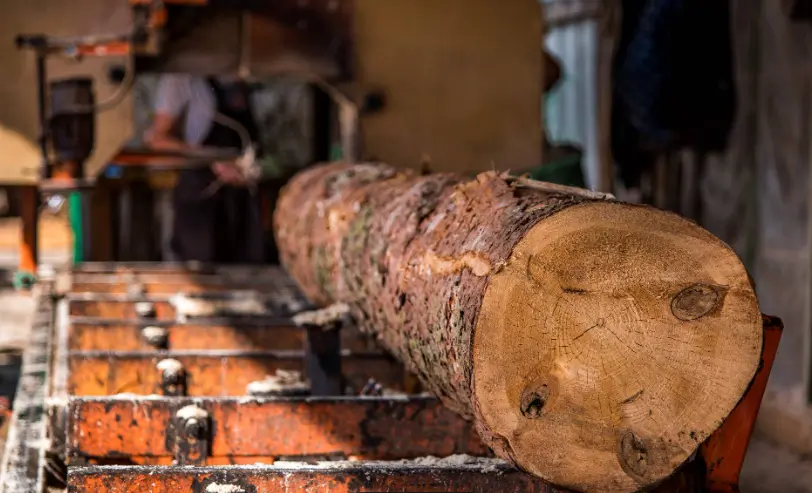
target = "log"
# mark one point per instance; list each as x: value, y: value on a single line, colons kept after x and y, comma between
x: 595, y: 344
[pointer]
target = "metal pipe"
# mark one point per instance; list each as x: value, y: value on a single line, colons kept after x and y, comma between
x: 42, y: 112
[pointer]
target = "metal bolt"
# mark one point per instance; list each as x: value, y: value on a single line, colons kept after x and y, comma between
x: 157, y: 337
x: 145, y: 309
x: 173, y: 377
x: 193, y: 428
x: 136, y: 290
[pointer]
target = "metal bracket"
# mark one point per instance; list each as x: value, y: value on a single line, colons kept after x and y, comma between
x: 24, y: 281
x: 323, y: 348
x: 192, y: 430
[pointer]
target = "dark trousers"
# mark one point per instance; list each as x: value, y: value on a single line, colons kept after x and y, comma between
x: 224, y: 227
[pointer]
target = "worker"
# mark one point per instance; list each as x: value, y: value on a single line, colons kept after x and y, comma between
x: 216, y: 216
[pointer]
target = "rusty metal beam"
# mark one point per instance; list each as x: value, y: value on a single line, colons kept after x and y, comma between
x: 454, y: 474
x: 262, y: 304
x: 23, y: 461
x: 156, y: 284
x: 95, y: 334
x: 210, y: 373
x: 177, y: 268
x: 478, y: 476
x: 171, y: 282
x: 383, y: 428
x: 117, y: 306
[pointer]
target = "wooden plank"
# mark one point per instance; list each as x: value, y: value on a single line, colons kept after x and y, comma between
x: 367, y: 428
x: 211, y: 373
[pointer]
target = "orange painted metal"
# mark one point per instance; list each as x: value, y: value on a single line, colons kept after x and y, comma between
x: 171, y: 285
x: 173, y: 281
x: 367, y: 428
x: 137, y: 269
x: 725, y: 450
x: 126, y: 336
x: 340, y: 478
x: 29, y: 216
x: 117, y: 308
x: 220, y: 374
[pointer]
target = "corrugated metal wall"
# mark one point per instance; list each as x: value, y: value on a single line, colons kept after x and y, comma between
x: 571, y: 108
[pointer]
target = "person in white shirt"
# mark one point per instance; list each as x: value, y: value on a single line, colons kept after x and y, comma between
x: 213, y: 222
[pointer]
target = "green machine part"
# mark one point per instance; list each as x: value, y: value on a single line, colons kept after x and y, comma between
x: 76, y: 226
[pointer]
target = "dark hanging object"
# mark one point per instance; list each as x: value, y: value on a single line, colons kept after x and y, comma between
x: 800, y: 10
x: 73, y: 119
x: 673, y: 81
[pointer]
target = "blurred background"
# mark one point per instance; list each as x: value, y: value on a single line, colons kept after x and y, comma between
x: 703, y: 108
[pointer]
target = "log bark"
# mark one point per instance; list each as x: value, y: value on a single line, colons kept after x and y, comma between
x: 595, y: 344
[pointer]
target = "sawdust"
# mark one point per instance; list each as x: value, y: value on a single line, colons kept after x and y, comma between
x: 191, y: 412
x: 224, y: 488
x: 325, y: 318
x: 170, y: 367
x: 244, y: 303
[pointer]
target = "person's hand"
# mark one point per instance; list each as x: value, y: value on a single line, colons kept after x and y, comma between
x: 228, y: 172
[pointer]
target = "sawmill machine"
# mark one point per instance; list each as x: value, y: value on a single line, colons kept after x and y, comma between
x: 400, y: 82
x: 147, y: 375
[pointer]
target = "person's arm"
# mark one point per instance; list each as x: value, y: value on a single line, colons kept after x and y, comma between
x: 552, y: 70
x: 171, y: 99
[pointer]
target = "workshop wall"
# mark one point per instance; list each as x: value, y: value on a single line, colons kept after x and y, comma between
x: 756, y: 197
x: 463, y: 91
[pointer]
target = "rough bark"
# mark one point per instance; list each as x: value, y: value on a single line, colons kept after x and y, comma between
x: 441, y: 268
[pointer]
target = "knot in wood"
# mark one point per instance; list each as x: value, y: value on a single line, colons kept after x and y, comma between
x: 534, y: 398
x: 695, y: 302
x: 634, y: 453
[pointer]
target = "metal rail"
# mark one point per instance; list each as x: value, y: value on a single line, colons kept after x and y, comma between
x: 24, y: 462
x: 121, y: 402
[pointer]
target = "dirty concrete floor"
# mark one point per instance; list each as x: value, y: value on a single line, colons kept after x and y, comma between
x: 771, y: 469
x: 768, y: 468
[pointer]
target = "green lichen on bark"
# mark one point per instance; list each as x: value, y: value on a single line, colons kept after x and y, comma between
x: 321, y: 269
x: 353, y: 248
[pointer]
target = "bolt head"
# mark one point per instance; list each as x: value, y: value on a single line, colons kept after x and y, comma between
x: 145, y: 309
x: 193, y: 428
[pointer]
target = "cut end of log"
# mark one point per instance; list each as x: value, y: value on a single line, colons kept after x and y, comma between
x: 613, y: 343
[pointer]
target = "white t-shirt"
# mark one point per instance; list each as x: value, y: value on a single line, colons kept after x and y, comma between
x: 191, y: 97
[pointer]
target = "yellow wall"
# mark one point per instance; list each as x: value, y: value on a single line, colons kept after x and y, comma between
x: 462, y: 79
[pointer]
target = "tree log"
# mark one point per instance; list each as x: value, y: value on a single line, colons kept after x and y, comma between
x: 595, y: 344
